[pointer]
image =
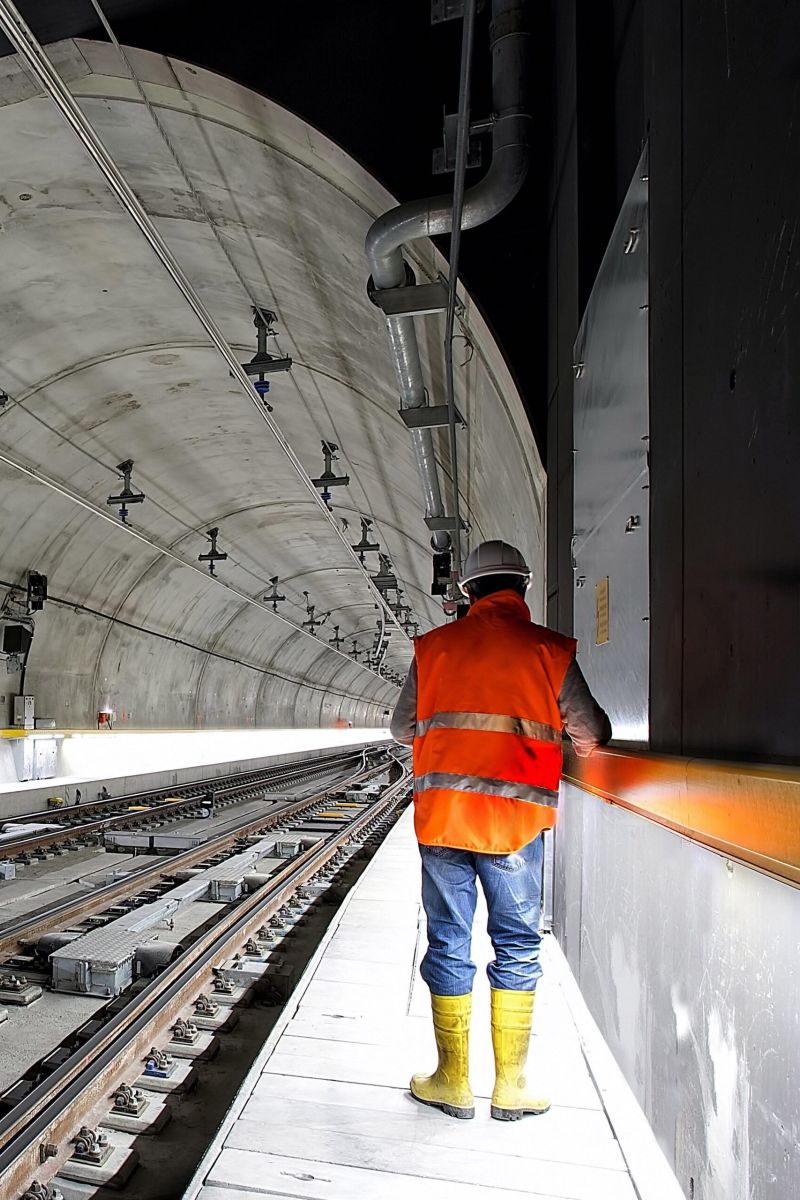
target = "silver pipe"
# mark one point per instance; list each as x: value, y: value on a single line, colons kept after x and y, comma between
x: 433, y: 216
x: 405, y: 352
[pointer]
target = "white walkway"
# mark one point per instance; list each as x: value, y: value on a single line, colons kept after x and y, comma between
x: 325, y: 1112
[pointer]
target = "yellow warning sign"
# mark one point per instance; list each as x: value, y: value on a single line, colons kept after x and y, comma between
x: 601, y: 612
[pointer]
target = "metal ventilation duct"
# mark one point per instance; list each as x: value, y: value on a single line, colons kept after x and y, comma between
x: 434, y: 216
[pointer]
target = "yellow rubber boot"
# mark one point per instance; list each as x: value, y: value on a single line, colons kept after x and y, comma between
x: 512, y: 1017
x: 448, y: 1087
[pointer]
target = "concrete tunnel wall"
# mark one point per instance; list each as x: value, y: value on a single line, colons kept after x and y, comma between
x: 103, y: 360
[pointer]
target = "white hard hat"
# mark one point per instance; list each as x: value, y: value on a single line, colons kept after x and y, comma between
x: 493, y: 558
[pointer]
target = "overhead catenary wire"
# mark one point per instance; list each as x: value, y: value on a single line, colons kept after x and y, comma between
x: 197, y: 528
x: 198, y: 198
x: 45, y: 74
x: 77, y: 606
x: 131, y: 531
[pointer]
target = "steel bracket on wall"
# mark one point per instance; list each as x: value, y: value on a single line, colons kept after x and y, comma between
x: 430, y: 416
x: 444, y: 156
x: 416, y: 300
x: 443, y: 524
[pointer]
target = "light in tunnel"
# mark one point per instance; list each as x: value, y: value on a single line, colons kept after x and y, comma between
x: 111, y: 755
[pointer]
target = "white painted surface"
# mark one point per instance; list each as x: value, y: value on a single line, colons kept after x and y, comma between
x: 147, y: 760
x: 325, y: 1111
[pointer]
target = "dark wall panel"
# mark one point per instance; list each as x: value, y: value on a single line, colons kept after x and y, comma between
x: 742, y: 380
x: 716, y: 91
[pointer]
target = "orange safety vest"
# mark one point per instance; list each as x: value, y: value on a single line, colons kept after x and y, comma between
x: 487, y: 750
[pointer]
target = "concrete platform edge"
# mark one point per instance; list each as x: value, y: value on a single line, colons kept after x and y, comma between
x: 290, y: 1008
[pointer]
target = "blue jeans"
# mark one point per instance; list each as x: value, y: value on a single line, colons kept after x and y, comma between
x: 512, y: 885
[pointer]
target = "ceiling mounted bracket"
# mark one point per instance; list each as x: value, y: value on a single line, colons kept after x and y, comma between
x: 35, y: 592
x: 214, y: 555
x: 272, y: 596
x: 127, y: 496
x: 385, y: 580
x: 365, y: 546
x: 328, y: 478
x: 336, y: 641
x: 263, y: 363
x: 313, y: 623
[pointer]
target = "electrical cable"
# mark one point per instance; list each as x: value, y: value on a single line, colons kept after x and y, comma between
x: 462, y: 146
x: 198, y: 530
x: 63, y: 490
x: 76, y: 606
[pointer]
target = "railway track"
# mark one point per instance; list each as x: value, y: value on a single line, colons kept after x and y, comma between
x: 27, y: 928
x: 37, y: 1135
x: 79, y: 822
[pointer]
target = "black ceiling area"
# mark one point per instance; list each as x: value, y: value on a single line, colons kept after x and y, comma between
x: 375, y: 77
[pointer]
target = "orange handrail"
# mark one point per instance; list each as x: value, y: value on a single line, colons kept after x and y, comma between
x: 748, y: 813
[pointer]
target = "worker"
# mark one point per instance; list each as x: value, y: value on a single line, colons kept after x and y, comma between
x: 484, y: 705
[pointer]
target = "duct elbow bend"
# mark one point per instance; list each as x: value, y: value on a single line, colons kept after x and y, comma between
x: 401, y: 224
x: 500, y: 185
x: 434, y: 216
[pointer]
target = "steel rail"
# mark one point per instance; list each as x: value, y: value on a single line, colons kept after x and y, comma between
x: 47, y: 1113
x: 77, y: 907
x: 747, y: 813
x: 41, y: 68
x: 212, y: 783
x: 68, y: 833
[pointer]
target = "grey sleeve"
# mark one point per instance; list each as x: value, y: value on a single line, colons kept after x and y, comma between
x: 404, y: 718
x: 584, y: 720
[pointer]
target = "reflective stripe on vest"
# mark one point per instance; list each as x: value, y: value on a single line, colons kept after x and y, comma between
x: 487, y: 750
x: 490, y: 723
x: 486, y: 787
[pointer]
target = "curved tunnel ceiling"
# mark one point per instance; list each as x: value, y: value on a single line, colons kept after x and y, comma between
x: 102, y: 360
